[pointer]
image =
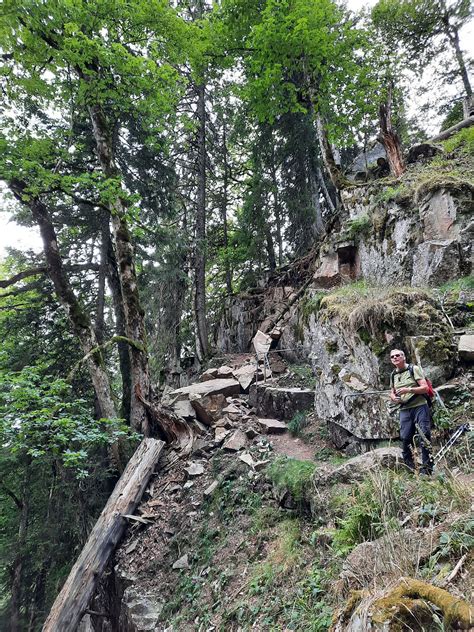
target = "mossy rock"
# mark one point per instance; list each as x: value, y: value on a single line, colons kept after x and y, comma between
x: 407, y: 606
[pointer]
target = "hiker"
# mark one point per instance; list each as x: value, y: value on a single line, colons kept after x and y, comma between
x: 408, y: 389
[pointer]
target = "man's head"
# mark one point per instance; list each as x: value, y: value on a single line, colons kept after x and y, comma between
x: 397, y: 358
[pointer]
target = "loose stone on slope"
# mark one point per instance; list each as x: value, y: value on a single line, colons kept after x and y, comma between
x: 209, y: 490
x: 208, y: 407
x: 247, y: 459
x: 272, y: 426
x: 466, y: 347
x: 220, y: 434
x: 231, y: 408
x: 210, y: 374
x: 236, y: 441
x: 182, y: 562
x: 195, y: 469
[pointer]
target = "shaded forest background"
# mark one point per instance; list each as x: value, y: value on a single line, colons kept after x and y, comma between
x: 171, y: 155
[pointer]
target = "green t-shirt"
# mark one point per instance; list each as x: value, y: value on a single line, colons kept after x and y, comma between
x: 404, y: 378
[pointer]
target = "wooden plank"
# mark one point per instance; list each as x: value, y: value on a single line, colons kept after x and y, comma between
x: 71, y: 603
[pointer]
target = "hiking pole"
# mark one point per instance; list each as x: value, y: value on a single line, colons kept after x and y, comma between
x: 457, y: 434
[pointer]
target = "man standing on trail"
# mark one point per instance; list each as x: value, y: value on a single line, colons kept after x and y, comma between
x: 408, y: 388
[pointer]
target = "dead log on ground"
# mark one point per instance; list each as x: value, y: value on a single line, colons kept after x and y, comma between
x: 452, y: 130
x: 73, y: 600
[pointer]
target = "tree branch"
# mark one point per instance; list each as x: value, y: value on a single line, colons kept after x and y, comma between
x: 13, y: 496
x: 29, y: 272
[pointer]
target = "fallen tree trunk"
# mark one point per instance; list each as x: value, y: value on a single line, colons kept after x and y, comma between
x: 71, y: 603
x: 452, y: 130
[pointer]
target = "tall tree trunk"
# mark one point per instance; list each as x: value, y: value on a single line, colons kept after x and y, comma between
x: 334, y: 172
x: 453, y: 36
x: 113, y: 280
x: 325, y: 191
x: 48, y: 526
x: 319, y: 228
x: 270, y: 248
x: 134, y: 317
x: 17, y: 570
x: 99, y: 324
x: 78, y: 317
x: 225, y: 201
x: 390, y: 138
x: 276, y: 205
x: 200, y: 247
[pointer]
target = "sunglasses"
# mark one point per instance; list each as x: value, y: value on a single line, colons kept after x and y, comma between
x: 395, y: 355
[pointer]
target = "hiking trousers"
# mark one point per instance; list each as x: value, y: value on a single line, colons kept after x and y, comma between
x: 409, y: 420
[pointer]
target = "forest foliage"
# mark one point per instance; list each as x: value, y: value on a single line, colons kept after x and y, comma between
x: 170, y: 154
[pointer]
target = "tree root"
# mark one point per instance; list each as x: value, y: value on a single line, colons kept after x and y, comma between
x: 168, y: 426
x: 412, y: 593
x: 406, y: 607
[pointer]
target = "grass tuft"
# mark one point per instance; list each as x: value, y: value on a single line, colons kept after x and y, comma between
x: 360, y: 306
x: 292, y: 475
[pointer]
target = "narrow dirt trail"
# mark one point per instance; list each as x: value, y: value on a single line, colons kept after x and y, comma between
x: 292, y: 447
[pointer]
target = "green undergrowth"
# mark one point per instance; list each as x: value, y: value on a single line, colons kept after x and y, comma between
x: 298, y: 423
x: 458, y: 285
x: 292, y: 475
x: 257, y: 565
x: 383, y: 501
x: 299, y: 375
x: 356, y: 228
x: 452, y: 170
x: 463, y: 142
x: 310, y: 305
x: 362, y: 306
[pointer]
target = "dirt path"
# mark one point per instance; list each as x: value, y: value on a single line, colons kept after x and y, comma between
x: 292, y: 446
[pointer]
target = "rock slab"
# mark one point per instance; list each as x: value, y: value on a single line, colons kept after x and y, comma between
x: 466, y: 347
x: 272, y: 426
x: 236, y: 441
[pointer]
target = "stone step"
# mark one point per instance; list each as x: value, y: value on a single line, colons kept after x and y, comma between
x: 279, y: 402
x: 272, y: 426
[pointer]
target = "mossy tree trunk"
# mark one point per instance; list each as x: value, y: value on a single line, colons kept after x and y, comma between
x: 113, y: 280
x: 200, y: 247
x: 134, y: 317
x: 333, y: 170
x: 79, y: 319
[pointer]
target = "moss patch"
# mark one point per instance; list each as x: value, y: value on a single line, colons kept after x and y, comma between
x: 408, y: 602
x: 292, y: 475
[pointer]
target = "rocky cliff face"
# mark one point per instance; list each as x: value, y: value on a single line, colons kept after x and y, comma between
x: 392, y: 239
x: 421, y: 240
x: 385, y: 238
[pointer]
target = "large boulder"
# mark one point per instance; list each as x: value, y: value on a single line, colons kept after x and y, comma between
x: 139, y: 611
x: 410, y: 605
x: 282, y: 403
x: 398, y: 552
x: 208, y: 408
x: 227, y: 388
x: 349, y: 344
x: 246, y: 374
x: 357, y: 468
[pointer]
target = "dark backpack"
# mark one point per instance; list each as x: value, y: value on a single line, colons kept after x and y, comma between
x: 429, y: 396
